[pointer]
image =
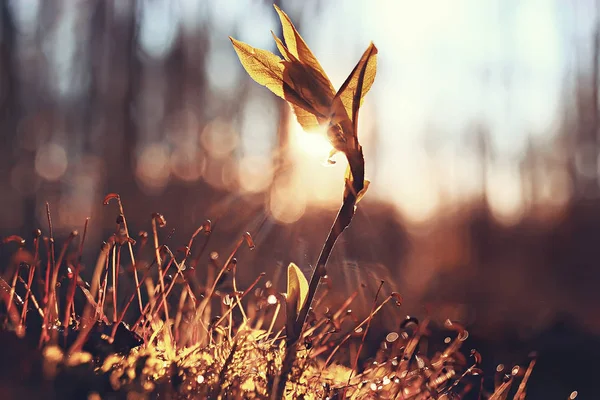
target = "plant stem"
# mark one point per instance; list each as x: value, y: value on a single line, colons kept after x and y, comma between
x: 342, y: 220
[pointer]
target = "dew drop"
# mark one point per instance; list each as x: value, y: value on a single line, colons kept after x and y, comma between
x: 392, y: 337
x: 409, y: 320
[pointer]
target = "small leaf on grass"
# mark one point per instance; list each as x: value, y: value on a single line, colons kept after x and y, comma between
x: 297, y: 290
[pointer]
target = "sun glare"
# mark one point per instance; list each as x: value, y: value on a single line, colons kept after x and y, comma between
x: 314, y: 144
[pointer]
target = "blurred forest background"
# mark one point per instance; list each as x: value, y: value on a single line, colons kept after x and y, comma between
x: 481, y: 140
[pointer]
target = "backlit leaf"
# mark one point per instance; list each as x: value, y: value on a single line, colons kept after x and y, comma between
x: 367, y: 68
x: 262, y: 66
x: 316, y: 98
x: 297, y: 288
x: 306, y: 119
x: 298, y: 47
x: 287, y: 55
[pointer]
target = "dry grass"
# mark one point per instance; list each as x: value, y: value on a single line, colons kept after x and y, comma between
x: 211, y: 342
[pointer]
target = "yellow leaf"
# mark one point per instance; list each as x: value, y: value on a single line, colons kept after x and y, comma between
x: 287, y: 55
x: 297, y: 288
x: 268, y: 70
x: 262, y: 66
x: 362, y: 75
x: 306, y: 119
x: 316, y: 97
x: 298, y: 47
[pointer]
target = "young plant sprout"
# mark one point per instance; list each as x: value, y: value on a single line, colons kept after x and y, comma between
x: 301, y: 81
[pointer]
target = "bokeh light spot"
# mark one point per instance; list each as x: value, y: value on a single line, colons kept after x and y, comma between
x: 152, y: 169
x: 287, y: 203
x: 219, y: 138
x: 255, y: 173
x: 187, y: 164
x: 51, y: 161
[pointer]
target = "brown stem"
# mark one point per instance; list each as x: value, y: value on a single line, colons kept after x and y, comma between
x: 130, y: 247
x: 73, y: 284
x: 161, y: 281
x: 342, y: 220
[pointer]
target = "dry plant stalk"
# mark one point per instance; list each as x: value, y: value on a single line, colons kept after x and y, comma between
x: 300, y: 79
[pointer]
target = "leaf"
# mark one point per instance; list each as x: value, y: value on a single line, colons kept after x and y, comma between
x: 287, y: 55
x: 297, y: 290
x: 268, y: 70
x: 363, y: 74
x: 315, y: 96
x: 262, y: 66
x: 306, y: 119
x: 305, y: 75
x: 298, y: 47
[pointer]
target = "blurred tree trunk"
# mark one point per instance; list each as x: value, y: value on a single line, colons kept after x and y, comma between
x: 120, y: 71
x: 8, y: 82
